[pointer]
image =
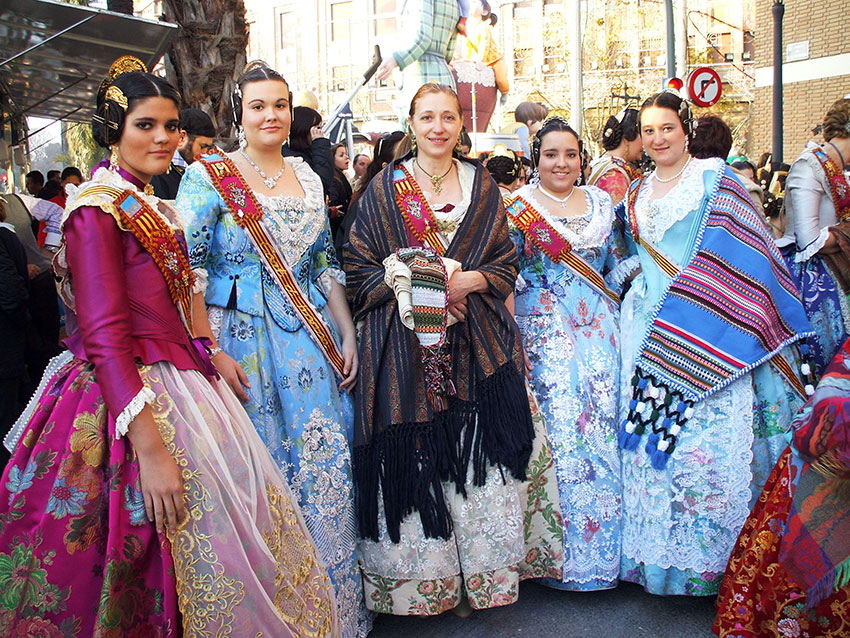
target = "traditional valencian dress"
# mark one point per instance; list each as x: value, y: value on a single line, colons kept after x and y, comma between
x: 262, y: 275
x: 569, y: 321
x: 790, y: 572
x: 703, y: 416
x: 77, y: 553
x: 614, y: 175
x: 444, y: 437
x: 817, y: 197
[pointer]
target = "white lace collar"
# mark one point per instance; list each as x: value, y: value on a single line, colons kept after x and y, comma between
x: 599, y: 209
x: 655, y: 217
x: 296, y: 222
x: 107, y: 177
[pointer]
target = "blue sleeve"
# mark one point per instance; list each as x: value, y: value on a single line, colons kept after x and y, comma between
x: 199, y: 207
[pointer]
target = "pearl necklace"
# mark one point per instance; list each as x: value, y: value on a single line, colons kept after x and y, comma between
x: 270, y: 182
x: 561, y: 200
x: 676, y: 176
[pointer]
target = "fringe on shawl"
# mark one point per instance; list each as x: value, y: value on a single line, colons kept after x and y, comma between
x: 408, y: 462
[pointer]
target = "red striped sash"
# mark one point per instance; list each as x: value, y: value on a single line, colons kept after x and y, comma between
x: 418, y: 216
x: 540, y: 232
x: 248, y: 214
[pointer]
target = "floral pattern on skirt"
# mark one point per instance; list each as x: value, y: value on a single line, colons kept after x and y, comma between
x: 240, y: 563
x: 757, y: 598
x: 504, y: 532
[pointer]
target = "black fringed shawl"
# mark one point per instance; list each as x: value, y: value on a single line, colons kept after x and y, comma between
x: 401, y: 445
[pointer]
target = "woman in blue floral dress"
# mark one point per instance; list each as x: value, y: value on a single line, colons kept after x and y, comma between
x: 570, y: 329
x: 294, y: 399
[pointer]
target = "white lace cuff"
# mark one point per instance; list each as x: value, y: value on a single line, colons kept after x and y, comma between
x: 624, y: 269
x: 520, y: 284
x: 328, y: 277
x: 201, y: 280
x: 132, y: 410
x: 813, y: 248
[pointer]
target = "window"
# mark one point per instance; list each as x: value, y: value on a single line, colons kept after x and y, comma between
x: 340, y: 20
x: 384, y: 13
x: 288, y: 39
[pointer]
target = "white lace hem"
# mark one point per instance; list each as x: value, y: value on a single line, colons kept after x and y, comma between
x: 201, y: 280
x: 132, y: 410
x: 623, y: 271
x: 53, y: 366
x: 813, y: 248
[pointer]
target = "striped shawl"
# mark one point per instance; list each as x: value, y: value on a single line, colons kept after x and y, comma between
x: 402, y: 446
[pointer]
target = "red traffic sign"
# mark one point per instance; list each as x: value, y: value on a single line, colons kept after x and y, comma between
x: 704, y: 86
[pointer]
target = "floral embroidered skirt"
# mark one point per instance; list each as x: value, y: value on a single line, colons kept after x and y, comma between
x: 503, y: 532
x: 78, y: 556
x: 757, y: 598
x: 305, y: 422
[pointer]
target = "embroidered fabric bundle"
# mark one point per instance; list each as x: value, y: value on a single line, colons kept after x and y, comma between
x: 429, y: 283
x: 731, y: 309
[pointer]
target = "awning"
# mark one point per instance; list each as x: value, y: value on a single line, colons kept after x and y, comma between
x: 53, y: 55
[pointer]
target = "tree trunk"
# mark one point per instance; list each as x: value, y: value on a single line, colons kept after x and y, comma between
x: 120, y: 6
x: 207, y: 54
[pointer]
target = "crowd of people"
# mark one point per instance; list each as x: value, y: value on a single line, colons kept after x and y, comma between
x: 288, y: 400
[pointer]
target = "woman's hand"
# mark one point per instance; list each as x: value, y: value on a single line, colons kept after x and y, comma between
x: 461, y: 284
x: 527, y: 363
x: 162, y: 482
x: 233, y: 374
x: 349, y: 355
x: 162, y: 487
x: 316, y: 132
x: 386, y: 68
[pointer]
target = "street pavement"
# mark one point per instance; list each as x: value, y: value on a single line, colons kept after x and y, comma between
x: 624, y: 612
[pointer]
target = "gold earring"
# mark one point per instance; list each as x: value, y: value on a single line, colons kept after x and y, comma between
x: 113, y: 158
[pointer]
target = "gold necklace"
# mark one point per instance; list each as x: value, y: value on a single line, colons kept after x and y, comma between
x: 436, y: 180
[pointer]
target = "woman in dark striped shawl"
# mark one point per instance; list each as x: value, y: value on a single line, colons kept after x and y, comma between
x: 444, y: 434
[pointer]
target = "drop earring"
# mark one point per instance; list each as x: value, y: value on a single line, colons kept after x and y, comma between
x: 243, y: 143
x: 113, y: 158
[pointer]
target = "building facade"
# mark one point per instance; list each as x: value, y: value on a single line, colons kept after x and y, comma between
x: 815, y: 70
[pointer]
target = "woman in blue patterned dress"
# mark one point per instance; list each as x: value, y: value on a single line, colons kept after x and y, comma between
x: 704, y: 330
x: 293, y: 397
x: 570, y: 329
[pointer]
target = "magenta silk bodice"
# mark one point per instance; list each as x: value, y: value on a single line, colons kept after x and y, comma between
x: 124, y: 311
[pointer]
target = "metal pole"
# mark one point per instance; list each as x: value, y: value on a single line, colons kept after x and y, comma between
x: 671, y: 38
x: 778, y: 11
x: 577, y: 109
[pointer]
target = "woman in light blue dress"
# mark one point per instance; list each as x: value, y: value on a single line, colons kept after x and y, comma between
x: 571, y: 334
x: 704, y: 407
x: 294, y: 398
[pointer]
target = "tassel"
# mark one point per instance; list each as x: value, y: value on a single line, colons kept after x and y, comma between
x: 658, y: 458
x: 628, y: 436
x: 651, y: 444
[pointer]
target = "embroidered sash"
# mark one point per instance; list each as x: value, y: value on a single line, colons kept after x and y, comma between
x: 541, y: 233
x: 839, y: 189
x: 418, y: 216
x: 731, y: 308
x: 158, y: 239
x: 617, y: 164
x: 248, y: 214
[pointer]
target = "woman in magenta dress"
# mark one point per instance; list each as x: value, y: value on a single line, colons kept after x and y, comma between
x: 139, y: 500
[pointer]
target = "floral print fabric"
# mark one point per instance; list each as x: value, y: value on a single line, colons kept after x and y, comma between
x: 242, y: 561
x: 571, y: 335
x: 294, y: 404
x: 504, y: 532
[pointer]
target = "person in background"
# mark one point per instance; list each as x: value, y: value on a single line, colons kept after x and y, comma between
x: 506, y: 168
x: 197, y: 133
x: 54, y: 175
x: 746, y: 172
x: 359, y: 164
x: 614, y: 171
x: 70, y: 175
x: 465, y: 142
x: 817, y: 209
x: 529, y: 116
x: 14, y: 317
x: 308, y: 141
x: 34, y: 181
x: 712, y: 137
x: 339, y: 198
